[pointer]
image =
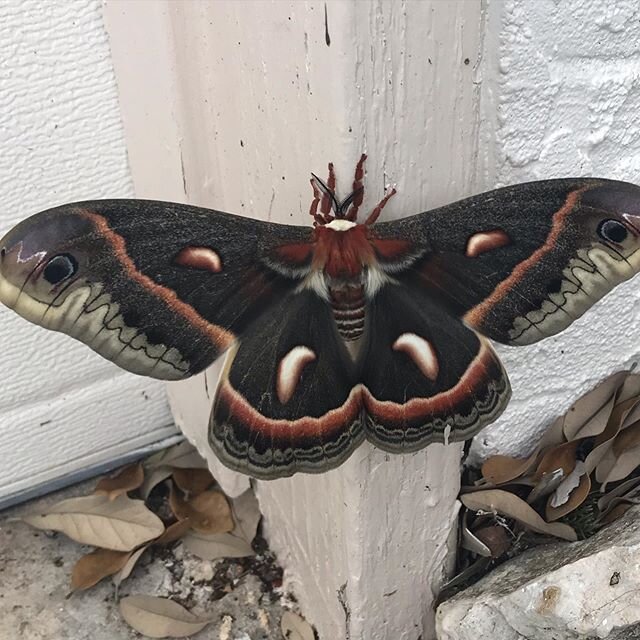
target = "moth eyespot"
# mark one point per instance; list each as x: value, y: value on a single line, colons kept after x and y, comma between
x: 613, y: 231
x: 60, y: 268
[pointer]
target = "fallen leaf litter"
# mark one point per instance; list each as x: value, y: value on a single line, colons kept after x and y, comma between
x: 582, y: 475
x: 181, y: 502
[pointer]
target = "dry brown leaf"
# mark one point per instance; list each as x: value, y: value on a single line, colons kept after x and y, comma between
x: 181, y: 456
x: 502, y: 469
x: 495, y: 538
x: 212, y: 513
x: 622, y: 457
x: 632, y: 417
x: 589, y: 414
x: 595, y: 424
x: 174, y: 532
x: 208, y: 512
x: 236, y: 544
x: 95, y: 566
x: 604, y: 441
x: 628, y: 438
x: 213, y: 546
x: 160, y: 617
x: 553, y: 435
x: 616, y: 512
x: 295, y: 627
x: 618, y: 491
x: 163, y: 464
x: 605, y: 467
x: 193, y: 481
x: 512, y: 485
x: 618, y: 414
x: 630, y: 388
x: 246, y: 514
x: 153, y: 479
x: 132, y: 559
x: 629, y: 497
x: 562, y: 456
x: 576, y: 496
x: 127, y: 479
x: 121, y: 524
x: 619, y: 468
x: 511, y: 506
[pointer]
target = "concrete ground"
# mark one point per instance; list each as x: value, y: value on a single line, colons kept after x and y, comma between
x: 35, y: 567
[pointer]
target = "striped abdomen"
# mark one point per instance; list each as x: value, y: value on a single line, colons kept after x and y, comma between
x: 348, y: 305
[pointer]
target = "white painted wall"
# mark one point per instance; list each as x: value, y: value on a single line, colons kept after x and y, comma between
x: 561, y: 89
x: 62, y: 408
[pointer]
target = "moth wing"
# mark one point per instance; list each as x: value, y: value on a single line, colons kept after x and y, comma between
x: 522, y: 262
x: 159, y: 288
x: 288, y: 398
x: 427, y: 378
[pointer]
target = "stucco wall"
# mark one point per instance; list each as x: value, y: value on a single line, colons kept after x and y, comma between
x: 62, y: 408
x: 561, y: 83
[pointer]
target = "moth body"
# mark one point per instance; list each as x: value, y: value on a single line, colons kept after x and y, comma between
x: 335, y: 334
x: 344, y: 272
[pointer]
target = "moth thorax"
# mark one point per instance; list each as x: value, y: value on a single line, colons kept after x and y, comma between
x: 340, y: 224
x: 348, y: 305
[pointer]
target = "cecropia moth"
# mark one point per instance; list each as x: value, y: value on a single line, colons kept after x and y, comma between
x: 338, y: 332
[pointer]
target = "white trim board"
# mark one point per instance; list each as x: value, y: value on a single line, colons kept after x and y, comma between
x: 90, y: 471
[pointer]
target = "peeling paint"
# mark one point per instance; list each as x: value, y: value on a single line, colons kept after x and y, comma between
x: 327, y: 37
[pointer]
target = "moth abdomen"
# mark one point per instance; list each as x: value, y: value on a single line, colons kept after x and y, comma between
x: 349, y: 309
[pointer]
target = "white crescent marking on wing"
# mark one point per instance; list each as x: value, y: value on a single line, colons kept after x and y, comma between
x: 290, y: 370
x: 486, y: 241
x: 421, y: 352
x: 200, y: 258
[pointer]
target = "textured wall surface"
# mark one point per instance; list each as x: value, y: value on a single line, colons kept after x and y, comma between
x: 562, y: 88
x: 62, y: 408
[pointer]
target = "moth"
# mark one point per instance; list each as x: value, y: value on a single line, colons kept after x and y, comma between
x: 335, y: 333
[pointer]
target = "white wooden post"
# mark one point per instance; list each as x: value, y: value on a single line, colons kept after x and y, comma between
x: 230, y: 105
